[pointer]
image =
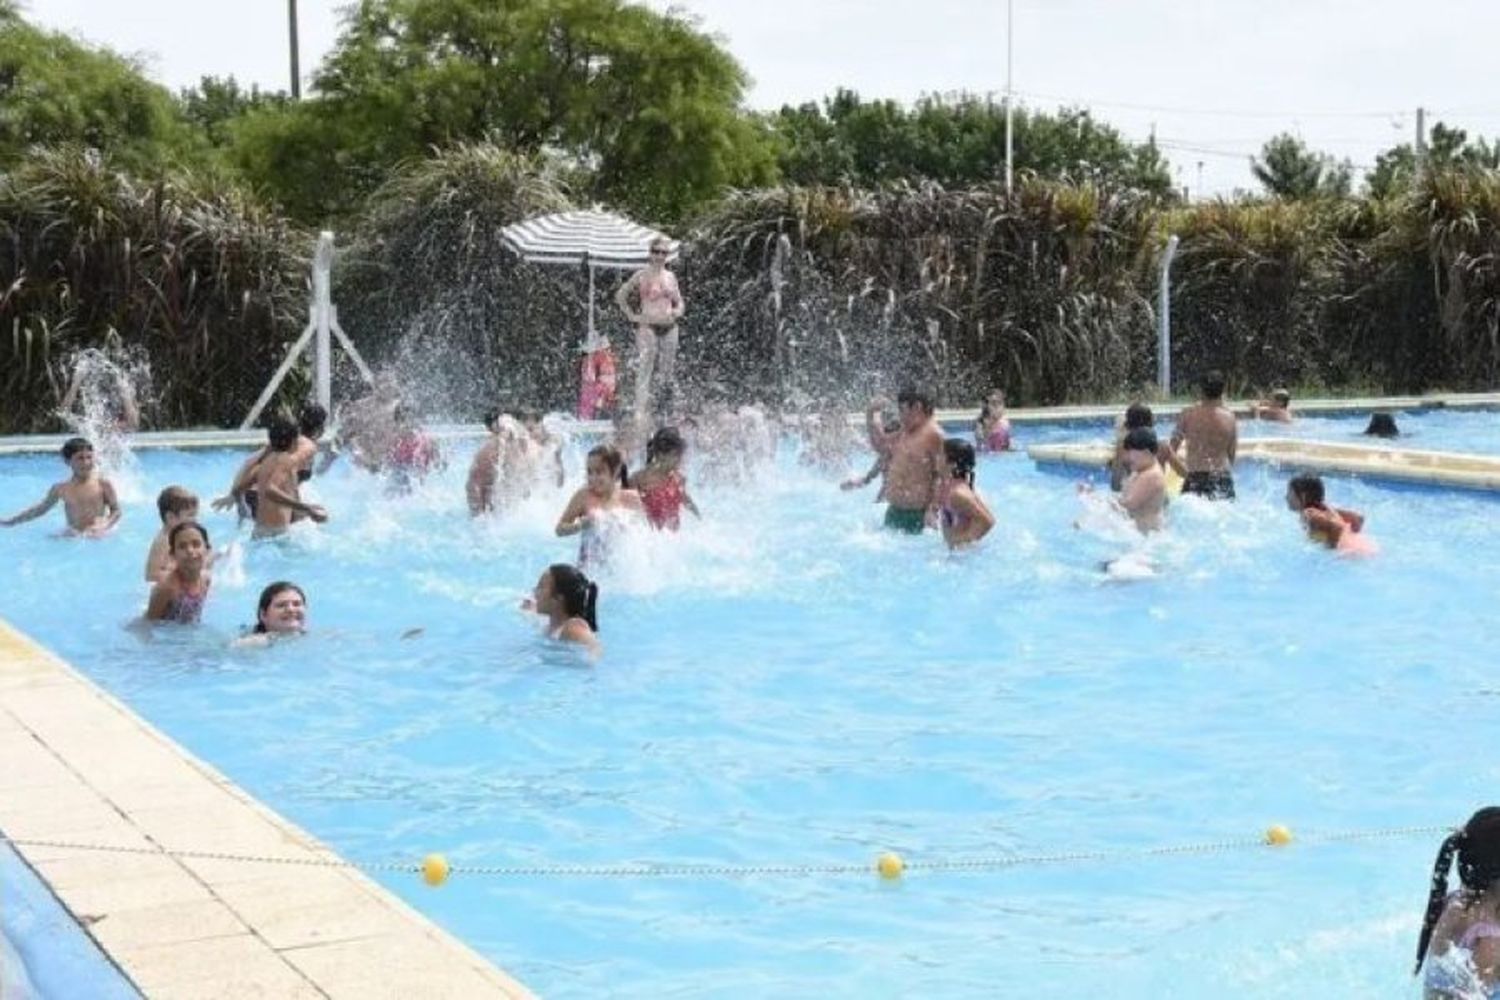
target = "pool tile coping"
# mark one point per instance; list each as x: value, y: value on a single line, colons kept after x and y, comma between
x: 81, y: 767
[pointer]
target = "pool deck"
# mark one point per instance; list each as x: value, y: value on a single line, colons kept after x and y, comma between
x: 217, y: 438
x: 80, y: 767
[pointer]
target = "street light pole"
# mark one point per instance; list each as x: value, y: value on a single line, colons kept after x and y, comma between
x: 291, y: 16
x: 1010, y: 22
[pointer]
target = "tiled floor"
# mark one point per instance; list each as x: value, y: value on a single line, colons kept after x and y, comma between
x: 79, y: 767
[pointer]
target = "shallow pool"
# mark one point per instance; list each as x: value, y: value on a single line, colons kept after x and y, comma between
x: 785, y: 684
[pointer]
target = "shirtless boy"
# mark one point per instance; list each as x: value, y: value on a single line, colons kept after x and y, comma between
x: 1208, y: 427
x: 276, y: 484
x: 1144, y: 496
x: 915, y: 465
x: 88, y: 500
x: 1277, y: 409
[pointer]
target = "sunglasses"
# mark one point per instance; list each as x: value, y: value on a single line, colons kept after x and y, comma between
x: 658, y: 253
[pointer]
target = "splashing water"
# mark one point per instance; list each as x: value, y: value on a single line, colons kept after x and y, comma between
x: 102, y: 404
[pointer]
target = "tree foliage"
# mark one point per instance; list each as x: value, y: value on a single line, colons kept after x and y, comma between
x: 849, y: 140
x: 1447, y: 148
x: 1286, y: 168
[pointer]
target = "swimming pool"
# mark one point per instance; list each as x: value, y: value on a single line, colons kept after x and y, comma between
x: 784, y: 683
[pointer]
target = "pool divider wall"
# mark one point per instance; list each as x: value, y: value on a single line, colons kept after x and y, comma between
x: 82, y: 768
x: 217, y: 438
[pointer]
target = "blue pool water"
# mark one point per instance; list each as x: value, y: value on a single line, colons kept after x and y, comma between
x: 784, y: 683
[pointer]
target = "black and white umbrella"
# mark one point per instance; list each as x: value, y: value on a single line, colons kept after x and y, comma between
x: 587, y: 236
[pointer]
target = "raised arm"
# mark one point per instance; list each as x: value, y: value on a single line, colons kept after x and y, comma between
x: 36, y: 510
x: 571, y: 520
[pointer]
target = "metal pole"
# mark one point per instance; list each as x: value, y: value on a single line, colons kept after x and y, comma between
x: 1009, y: 97
x: 291, y: 15
x: 323, y: 319
x: 591, y: 301
x: 1164, y: 322
x: 1421, y: 146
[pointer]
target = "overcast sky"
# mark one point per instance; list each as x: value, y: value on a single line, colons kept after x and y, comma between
x: 1215, y: 77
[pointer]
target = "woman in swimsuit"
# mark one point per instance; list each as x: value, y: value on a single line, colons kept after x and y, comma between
x: 662, y: 487
x: 179, y: 595
x: 1461, y: 931
x: 595, y: 510
x: 655, y: 322
x: 964, y: 517
x: 568, y: 599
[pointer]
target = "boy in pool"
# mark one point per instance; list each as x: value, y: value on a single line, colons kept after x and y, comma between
x: 1277, y: 409
x: 277, y: 484
x: 176, y: 505
x: 88, y: 500
x: 1334, y: 527
x: 1144, y: 493
x: 915, y: 466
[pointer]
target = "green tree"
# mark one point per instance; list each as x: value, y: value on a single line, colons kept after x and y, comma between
x: 645, y: 103
x: 57, y: 91
x: 1447, y: 148
x: 1288, y: 169
x: 217, y: 103
x: 956, y: 142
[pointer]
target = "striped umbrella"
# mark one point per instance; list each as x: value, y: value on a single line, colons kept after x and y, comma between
x: 586, y: 236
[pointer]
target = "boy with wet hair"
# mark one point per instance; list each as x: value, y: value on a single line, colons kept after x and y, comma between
x: 1209, y: 430
x: 1144, y: 494
x: 88, y: 500
x: 915, y: 465
x: 176, y: 505
x: 1277, y: 409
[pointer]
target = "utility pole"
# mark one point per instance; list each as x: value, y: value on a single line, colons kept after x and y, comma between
x: 291, y: 16
x: 1421, y: 146
x: 1010, y: 23
x: 1200, y: 180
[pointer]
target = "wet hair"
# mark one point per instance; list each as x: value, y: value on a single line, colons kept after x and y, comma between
x: 666, y: 441
x: 282, y: 434
x: 529, y: 415
x: 1282, y: 398
x: 1382, y: 425
x: 312, y: 420
x: 1141, y: 439
x: 269, y: 594
x: 914, y: 395
x: 1477, y: 847
x: 960, y: 454
x: 175, y: 500
x: 1309, y: 489
x: 187, y: 526
x: 613, y: 460
x: 1139, y: 415
x: 491, y: 418
x: 73, y: 446
x: 890, y: 425
x: 1212, y: 384
x: 579, y: 594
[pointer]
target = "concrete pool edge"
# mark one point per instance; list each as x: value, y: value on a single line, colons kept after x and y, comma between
x: 24, y: 444
x: 85, y: 769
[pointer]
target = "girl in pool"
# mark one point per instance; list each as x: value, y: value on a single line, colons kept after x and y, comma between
x: 281, y: 612
x: 178, y: 596
x: 1335, y: 527
x: 964, y: 517
x: 992, y: 429
x: 569, y: 600
x: 598, y: 511
x: 661, y: 484
x: 1461, y: 931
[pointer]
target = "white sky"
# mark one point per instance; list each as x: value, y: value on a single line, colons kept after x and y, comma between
x: 1220, y: 76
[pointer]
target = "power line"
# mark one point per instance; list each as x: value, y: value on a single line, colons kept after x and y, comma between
x: 1219, y: 112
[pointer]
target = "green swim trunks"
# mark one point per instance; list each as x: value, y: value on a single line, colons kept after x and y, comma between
x: 907, y: 519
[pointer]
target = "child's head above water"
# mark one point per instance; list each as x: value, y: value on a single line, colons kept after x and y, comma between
x: 176, y: 504
x: 666, y: 446
x: 1477, y: 847
x: 1304, y: 492
x: 312, y: 421
x: 282, y: 608
x: 1382, y: 425
x: 1212, y: 385
x: 917, y: 398
x: 79, y: 455
x: 1281, y: 398
x: 282, y: 434
x: 564, y: 589
x: 1139, y: 415
x: 188, y: 539
x: 605, y: 467
x: 959, y: 454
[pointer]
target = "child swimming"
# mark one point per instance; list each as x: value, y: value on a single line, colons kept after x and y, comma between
x: 595, y: 510
x: 277, y: 481
x: 1136, y: 415
x: 569, y: 601
x: 1334, y: 527
x: 89, y: 501
x: 180, y: 594
x: 1461, y: 931
x: 1144, y: 493
x: 963, y: 515
x: 1277, y: 409
x: 280, y: 613
x: 661, y: 484
x: 176, y: 505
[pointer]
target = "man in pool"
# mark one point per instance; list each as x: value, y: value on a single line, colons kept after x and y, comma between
x: 1277, y: 409
x: 1208, y: 428
x: 914, y: 465
x: 276, y: 484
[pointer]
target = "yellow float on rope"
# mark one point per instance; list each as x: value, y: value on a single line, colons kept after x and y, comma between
x: 1278, y: 836
x: 890, y: 865
x: 435, y: 869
